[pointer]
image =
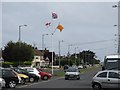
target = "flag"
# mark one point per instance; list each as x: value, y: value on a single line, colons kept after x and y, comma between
x: 54, y: 16
x: 48, y: 24
x: 60, y: 27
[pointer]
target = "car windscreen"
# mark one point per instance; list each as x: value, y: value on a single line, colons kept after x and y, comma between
x: 18, y: 70
x: 72, y: 70
x: 113, y: 64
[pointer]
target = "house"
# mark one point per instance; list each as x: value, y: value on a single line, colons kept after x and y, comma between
x: 38, y: 60
x: 48, y: 56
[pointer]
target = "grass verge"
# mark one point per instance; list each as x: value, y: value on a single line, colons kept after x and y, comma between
x: 61, y: 73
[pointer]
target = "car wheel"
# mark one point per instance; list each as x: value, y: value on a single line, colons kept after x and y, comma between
x: 78, y: 78
x: 22, y: 81
x: 31, y: 79
x: 12, y: 84
x: 66, y: 78
x: 45, y: 77
x: 96, y: 86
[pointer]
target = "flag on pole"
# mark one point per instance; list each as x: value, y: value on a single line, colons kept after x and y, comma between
x: 48, y: 24
x: 54, y: 16
x: 60, y: 27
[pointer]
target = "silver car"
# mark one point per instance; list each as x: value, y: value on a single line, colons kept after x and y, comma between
x: 72, y: 72
x: 106, y: 79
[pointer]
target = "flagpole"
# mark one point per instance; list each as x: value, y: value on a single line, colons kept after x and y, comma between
x: 52, y: 51
x: 52, y: 46
x: 54, y: 16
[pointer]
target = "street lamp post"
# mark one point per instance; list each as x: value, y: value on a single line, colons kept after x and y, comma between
x: 43, y: 41
x: 19, y: 40
x: 59, y: 52
x: 20, y: 32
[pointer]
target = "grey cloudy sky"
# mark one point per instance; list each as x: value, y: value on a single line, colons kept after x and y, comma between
x: 84, y: 23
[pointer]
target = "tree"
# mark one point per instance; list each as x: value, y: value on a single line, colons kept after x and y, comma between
x: 18, y: 52
x: 88, y: 57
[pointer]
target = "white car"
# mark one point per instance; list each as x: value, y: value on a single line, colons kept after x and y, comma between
x: 2, y: 82
x: 72, y: 72
x: 80, y: 67
x: 32, y: 70
x: 106, y: 79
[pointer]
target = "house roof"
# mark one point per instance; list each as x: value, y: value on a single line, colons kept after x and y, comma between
x: 37, y: 52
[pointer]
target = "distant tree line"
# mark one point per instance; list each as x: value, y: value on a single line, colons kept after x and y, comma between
x: 84, y: 58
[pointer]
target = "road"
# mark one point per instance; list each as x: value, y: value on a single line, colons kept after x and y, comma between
x: 60, y: 82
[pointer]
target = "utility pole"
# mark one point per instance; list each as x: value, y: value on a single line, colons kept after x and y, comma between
x: 119, y: 27
x: 59, y: 52
x: 69, y: 53
x: 43, y: 48
x: 118, y: 6
x: 75, y: 55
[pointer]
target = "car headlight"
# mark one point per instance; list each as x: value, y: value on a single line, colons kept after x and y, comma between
x: 66, y: 74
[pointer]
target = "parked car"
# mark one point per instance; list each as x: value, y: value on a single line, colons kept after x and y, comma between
x: 32, y: 70
x: 106, y: 79
x: 2, y: 82
x: 72, y: 72
x: 80, y: 67
x: 32, y: 77
x: 10, y: 78
x: 24, y: 78
x: 44, y: 75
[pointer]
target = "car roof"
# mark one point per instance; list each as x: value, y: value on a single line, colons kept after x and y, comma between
x: 109, y: 71
x: 72, y: 68
x: 113, y: 56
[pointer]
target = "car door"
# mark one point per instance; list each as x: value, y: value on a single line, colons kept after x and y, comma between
x: 114, y: 80
x: 102, y: 78
x: 8, y: 75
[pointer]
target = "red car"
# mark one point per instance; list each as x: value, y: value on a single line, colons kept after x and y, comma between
x: 44, y: 75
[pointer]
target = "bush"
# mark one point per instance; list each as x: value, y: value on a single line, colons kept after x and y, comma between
x: 28, y: 63
x: 7, y: 64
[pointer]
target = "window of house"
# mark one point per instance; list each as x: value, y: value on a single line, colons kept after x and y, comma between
x: 36, y: 57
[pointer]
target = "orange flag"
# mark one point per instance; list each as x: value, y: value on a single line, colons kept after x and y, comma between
x: 60, y: 27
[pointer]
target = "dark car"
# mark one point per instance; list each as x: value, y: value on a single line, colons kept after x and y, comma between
x: 10, y: 78
x: 32, y: 77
